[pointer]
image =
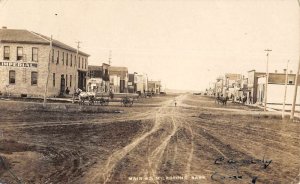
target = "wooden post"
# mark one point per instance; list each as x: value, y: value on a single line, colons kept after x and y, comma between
x: 48, y: 73
x: 285, y: 88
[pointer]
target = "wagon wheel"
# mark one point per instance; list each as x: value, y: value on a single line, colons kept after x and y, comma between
x: 131, y: 103
x: 91, y: 100
x: 107, y: 102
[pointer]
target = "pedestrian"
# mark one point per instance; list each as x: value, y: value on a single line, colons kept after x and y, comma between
x: 175, y: 102
x: 67, y: 91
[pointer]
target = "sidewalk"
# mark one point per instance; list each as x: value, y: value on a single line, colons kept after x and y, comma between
x: 270, y: 109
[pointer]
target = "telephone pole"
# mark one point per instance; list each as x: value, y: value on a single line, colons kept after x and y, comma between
x: 296, y: 84
x: 267, y: 79
x: 285, y: 88
x: 75, y: 84
x: 48, y: 72
x: 109, y: 58
x: 295, y: 92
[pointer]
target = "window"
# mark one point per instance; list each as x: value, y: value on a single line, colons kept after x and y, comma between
x: 6, y: 53
x: 67, y: 59
x: 85, y: 64
x: 75, y: 61
x: 71, y: 62
x: 79, y: 62
x: 82, y: 62
x: 53, y: 79
x: 63, y: 58
x: 12, y: 77
x: 66, y: 80
x: 57, y: 59
x: 19, y: 53
x: 70, y: 81
x: 52, y: 57
x: 34, y: 78
x: 35, y: 54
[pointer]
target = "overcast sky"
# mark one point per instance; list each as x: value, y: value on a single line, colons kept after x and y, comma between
x: 184, y: 43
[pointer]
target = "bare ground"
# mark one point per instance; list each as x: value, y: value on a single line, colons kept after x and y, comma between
x: 153, y: 142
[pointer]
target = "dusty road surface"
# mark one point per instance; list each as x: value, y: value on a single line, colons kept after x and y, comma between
x: 198, y: 141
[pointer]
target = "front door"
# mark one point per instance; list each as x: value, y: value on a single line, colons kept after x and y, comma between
x: 62, y: 84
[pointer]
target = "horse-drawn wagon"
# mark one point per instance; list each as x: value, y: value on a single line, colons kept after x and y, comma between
x: 103, y: 99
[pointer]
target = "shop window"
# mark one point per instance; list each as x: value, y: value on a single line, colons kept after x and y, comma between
x: 6, y: 53
x: 34, y: 78
x: 12, y: 77
x: 19, y: 53
x: 53, y: 79
x: 70, y: 81
x: 67, y: 80
x: 35, y: 54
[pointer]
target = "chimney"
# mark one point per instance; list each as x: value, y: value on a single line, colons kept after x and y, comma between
x: 4, y: 27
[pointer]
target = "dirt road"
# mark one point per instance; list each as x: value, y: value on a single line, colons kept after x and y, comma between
x: 198, y: 141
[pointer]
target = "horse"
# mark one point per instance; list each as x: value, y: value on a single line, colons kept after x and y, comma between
x: 222, y: 100
x: 84, y: 96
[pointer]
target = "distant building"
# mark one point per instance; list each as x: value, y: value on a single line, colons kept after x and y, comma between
x: 24, y: 58
x: 132, y: 83
x: 231, y: 84
x: 118, y: 79
x: 276, y: 87
x: 253, y: 84
x: 154, y: 86
x: 98, y: 78
x: 141, y: 83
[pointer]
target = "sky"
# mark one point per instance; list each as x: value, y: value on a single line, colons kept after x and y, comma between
x: 186, y: 44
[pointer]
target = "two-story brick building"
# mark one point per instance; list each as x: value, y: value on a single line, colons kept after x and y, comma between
x: 25, y: 63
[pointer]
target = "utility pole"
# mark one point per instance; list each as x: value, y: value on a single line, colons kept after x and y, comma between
x: 295, y: 92
x: 296, y: 84
x: 75, y: 71
x: 267, y: 79
x: 285, y: 88
x: 48, y: 72
x: 109, y: 58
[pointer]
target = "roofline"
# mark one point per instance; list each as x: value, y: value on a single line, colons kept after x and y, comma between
x: 43, y: 43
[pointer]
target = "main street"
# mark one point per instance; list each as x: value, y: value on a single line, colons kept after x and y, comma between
x: 198, y: 141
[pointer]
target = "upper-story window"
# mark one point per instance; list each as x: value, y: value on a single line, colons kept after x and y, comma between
x: 82, y: 63
x: 67, y: 59
x: 6, y: 53
x: 79, y: 62
x: 19, y: 53
x: 85, y: 64
x: 52, y: 56
x: 35, y: 54
x: 57, y: 59
x: 63, y: 58
x: 71, y: 61
x: 75, y: 61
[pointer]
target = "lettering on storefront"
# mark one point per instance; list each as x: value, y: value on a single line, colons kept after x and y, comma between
x: 19, y: 64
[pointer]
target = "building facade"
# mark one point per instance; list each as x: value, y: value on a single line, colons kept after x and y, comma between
x: 276, y: 89
x: 98, y: 78
x: 118, y: 79
x: 154, y: 86
x: 27, y: 60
